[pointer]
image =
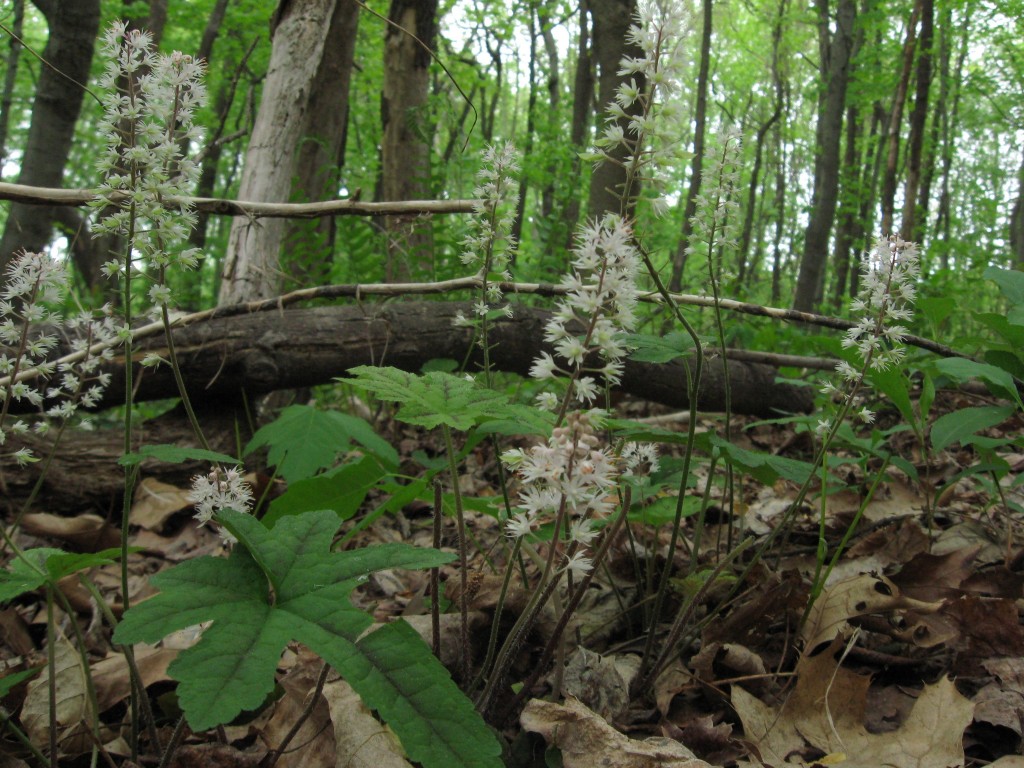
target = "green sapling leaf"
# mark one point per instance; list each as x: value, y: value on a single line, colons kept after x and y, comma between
x: 304, y: 440
x: 434, y: 398
x: 232, y: 667
x: 954, y: 427
x: 174, y: 454
x: 37, y: 566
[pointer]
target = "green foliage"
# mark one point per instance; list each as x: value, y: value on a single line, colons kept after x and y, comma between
x: 304, y: 440
x: 435, y: 398
x: 285, y: 584
x: 341, y: 490
x: 959, y: 425
x: 174, y: 454
x: 37, y: 567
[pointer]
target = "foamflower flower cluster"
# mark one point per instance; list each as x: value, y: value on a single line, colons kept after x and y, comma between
x: 570, y: 473
x: 149, y: 108
x: 490, y: 245
x: 884, y: 303
x: 601, y: 300
x: 220, y: 489
x: 33, y: 282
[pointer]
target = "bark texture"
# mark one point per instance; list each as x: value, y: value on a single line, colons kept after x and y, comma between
x: 69, y: 50
x: 405, y: 171
x: 321, y: 154
x: 835, y: 62
x: 233, y: 360
x: 252, y: 266
x: 611, y: 19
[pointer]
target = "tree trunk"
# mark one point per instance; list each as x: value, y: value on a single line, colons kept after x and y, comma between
x: 308, y: 244
x: 58, y: 101
x: 582, y: 98
x: 11, y: 76
x: 405, y: 146
x: 697, y: 164
x: 895, y: 123
x: 252, y: 267
x: 835, y: 62
x: 1017, y: 223
x: 911, y: 226
x: 950, y: 126
x: 612, y: 19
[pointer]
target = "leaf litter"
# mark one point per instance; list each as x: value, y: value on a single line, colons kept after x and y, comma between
x: 912, y: 655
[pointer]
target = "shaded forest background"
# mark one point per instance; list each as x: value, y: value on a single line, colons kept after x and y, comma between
x: 858, y: 117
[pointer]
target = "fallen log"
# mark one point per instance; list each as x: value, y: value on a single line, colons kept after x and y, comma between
x: 230, y: 361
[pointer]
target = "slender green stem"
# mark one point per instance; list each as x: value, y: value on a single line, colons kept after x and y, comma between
x: 435, y: 573
x: 460, y: 522
x: 51, y: 666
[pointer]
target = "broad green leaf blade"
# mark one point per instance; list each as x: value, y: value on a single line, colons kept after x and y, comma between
x: 395, y: 674
x: 893, y: 384
x: 1010, y: 282
x: 304, y: 440
x: 649, y: 348
x: 999, y: 381
x: 955, y: 426
x: 342, y: 490
x: 193, y: 592
x: 27, y: 573
x: 231, y: 669
x: 175, y: 454
x: 433, y: 399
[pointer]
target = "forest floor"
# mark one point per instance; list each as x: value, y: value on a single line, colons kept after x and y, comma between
x: 912, y: 655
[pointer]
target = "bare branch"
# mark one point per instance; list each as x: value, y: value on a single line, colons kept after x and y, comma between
x: 78, y: 197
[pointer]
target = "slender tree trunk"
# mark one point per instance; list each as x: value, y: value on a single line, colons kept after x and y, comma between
x: 697, y: 164
x: 11, y: 76
x: 582, y: 113
x: 1017, y: 222
x: 755, y: 176
x: 937, y: 115
x: 531, y: 126
x: 895, y: 124
x: 405, y: 167
x: 911, y: 225
x: 612, y: 19
x: 216, y: 141
x: 252, y: 268
x: 547, y: 194
x: 950, y: 126
x: 835, y: 62
x: 58, y: 101
x: 309, y: 244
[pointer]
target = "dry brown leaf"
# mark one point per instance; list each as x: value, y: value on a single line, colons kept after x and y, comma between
x: 601, y: 682
x: 936, y: 577
x: 362, y: 741
x: 156, y: 502
x: 825, y: 714
x: 586, y: 740
x: 859, y: 596
x: 72, y: 702
x: 86, y: 533
x: 989, y: 627
x: 314, y: 745
x: 111, y: 678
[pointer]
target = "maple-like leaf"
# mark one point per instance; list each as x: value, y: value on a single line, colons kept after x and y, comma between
x: 433, y: 399
x: 285, y: 584
x: 304, y: 440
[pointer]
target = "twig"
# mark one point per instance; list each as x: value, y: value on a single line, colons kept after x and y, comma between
x: 255, y: 210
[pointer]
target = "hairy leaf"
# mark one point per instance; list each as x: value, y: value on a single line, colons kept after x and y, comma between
x: 434, y: 398
x: 304, y: 440
x: 285, y: 584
